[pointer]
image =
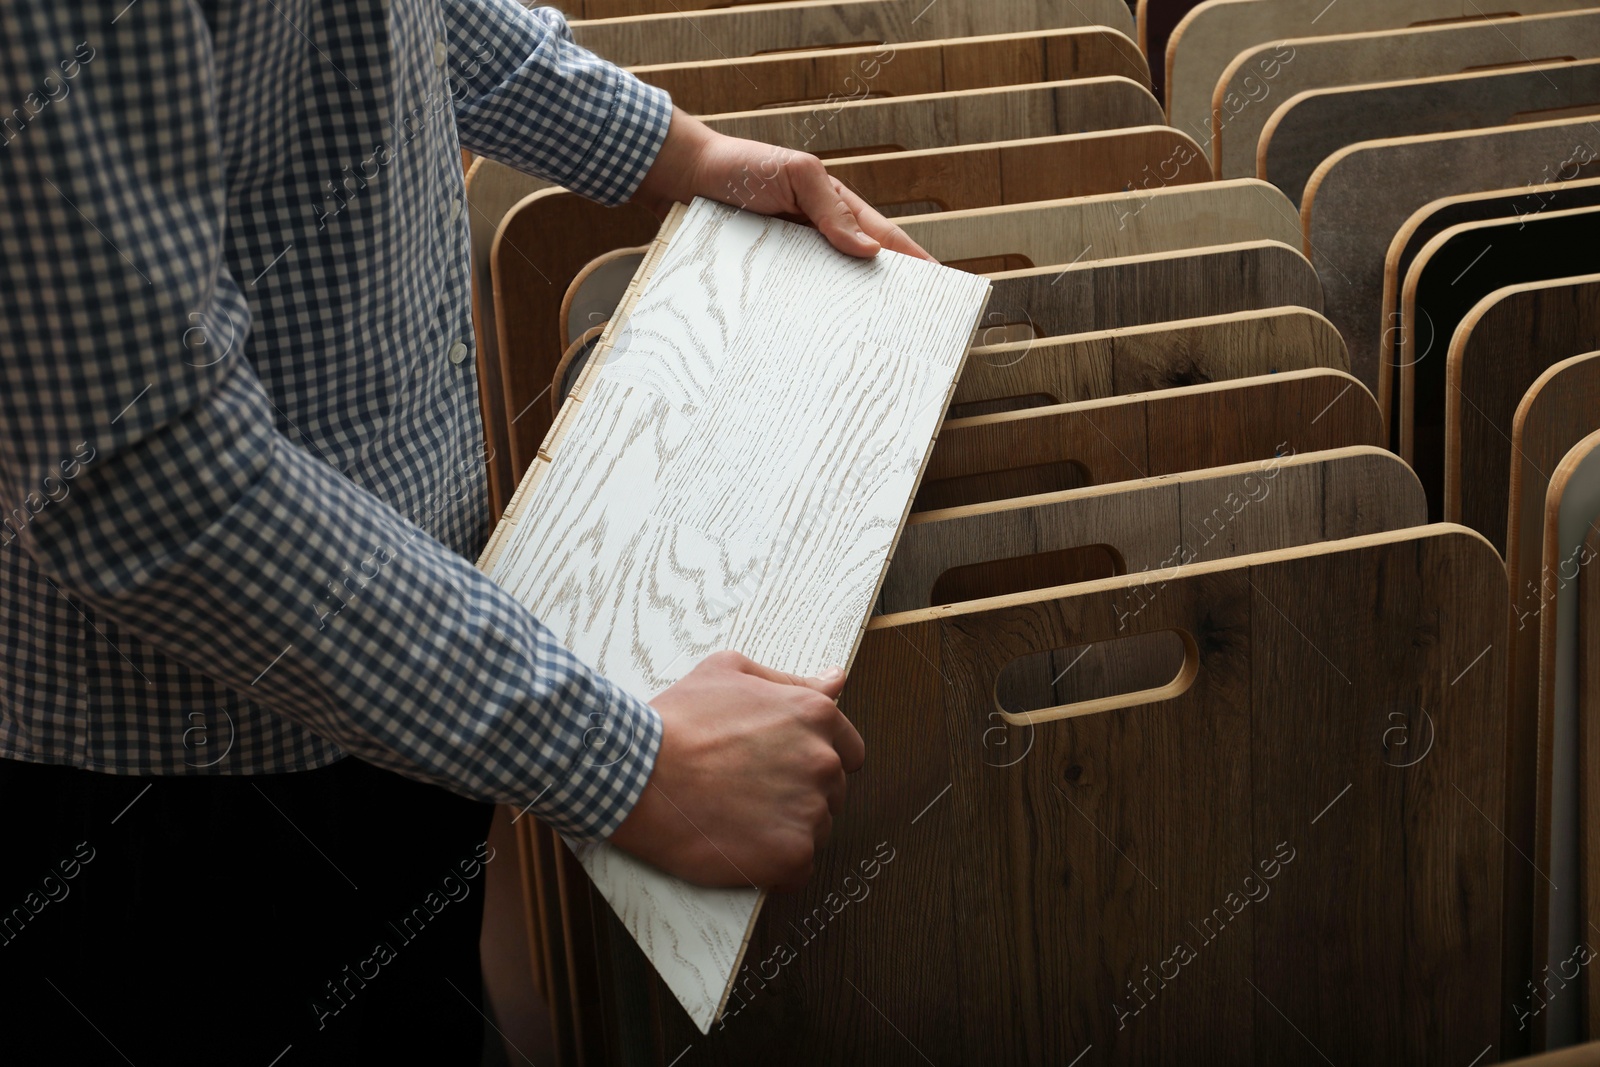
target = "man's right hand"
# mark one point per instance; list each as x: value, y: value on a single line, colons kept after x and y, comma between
x: 750, y: 773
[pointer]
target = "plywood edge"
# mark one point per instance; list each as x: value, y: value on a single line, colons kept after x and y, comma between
x: 1151, y: 257
x: 1085, y: 136
x: 1128, y: 581
x: 1200, y: 474
x: 732, y: 62
x: 1199, y: 190
x: 1233, y: 384
x: 1520, y: 424
x: 1316, y: 320
x: 1023, y: 88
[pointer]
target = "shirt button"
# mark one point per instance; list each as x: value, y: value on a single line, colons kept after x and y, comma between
x: 458, y: 352
x: 454, y: 211
x: 440, y: 53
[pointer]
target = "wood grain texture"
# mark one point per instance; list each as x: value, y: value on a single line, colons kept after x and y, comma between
x: 1212, y: 34
x: 1111, y: 225
x: 1358, y: 198
x: 548, y: 237
x: 1039, y: 867
x: 1016, y: 172
x: 1571, y: 516
x: 1556, y: 412
x: 1448, y: 278
x: 597, y: 290
x: 1588, y: 743
x: 939, y: 120
x: 1264, y: 75
x: 712, y: 86
x: 1578, y: 1056
x: 1103, y: 294
x: 1068, y: 446
x: 1157, y: 355
x: 645, y: 540
x: 1154, y: 523
x: 1310, y: 126
x: 681, y: 37
x: 1432, y: 219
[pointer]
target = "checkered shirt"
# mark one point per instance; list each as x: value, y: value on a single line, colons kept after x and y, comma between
x: 241, y: 460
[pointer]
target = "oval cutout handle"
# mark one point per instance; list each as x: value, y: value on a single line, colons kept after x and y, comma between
x: 1134, y: 658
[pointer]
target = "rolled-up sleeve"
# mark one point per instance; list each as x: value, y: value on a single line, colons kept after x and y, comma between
x: 525, y: 95
x: 192, y: 521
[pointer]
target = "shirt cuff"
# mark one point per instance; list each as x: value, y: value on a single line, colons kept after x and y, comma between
x: 620, y: 747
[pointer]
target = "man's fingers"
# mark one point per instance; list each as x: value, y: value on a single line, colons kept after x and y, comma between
x: 847, y: 742
x: 818, y: 197
x: 880, y: 229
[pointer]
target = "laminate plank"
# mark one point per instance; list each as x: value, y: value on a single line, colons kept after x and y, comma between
x: 836, y: 75
x: 1310, y: 126
x: 680, y: 37
x: 1572, y: 515
x: 1109, y: 225
x: 959, y: 177
x: 1360, y: 196
x: 1043, y: 868
x: 645, y: 538
x: 1444, y: 283
x: 1136, y: 359
x: 1151, y: 524
x: 1103, y: 294
x: 1280, y: 69
x: 1432, y: 219
x: 1068, y: 446
x: 939, y: 120
x: 1212, y: 34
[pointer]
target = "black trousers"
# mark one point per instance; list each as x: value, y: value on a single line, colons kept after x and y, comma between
x: 324, y: 917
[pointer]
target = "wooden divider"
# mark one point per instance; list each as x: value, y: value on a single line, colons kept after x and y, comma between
x: 1265, y: 75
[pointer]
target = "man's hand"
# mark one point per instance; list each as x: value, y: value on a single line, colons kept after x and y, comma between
x: 695, y: 161
x: 750, y: 773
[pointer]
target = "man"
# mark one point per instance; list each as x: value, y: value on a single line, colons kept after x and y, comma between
x: 243, y: 479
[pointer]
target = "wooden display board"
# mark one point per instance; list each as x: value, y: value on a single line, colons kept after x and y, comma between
x: 683, y: 36
x: 1068, y: 446
x: 711, y: 86
x: 1310, y: 126
x: 1360, y: 196
x: 1016, y: 873
x: 1261, y: 77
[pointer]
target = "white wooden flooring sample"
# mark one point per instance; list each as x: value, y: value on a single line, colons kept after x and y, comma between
x: 734, y: 476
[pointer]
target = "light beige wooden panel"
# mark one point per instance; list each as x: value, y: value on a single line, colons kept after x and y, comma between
x: 1571, y: 517
x: 1214, y: 33
x: 648, y: 471
x: 1151, y: 524
x: 833, y: 76
x: 1311, y: 126
x: 1158, y: 355
x: 938, y: 120
x: 1102, y: 227
x: 1358, y: 199
x: 1068, y: 446
x: 1263, y: 76
x: 684, y: 36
